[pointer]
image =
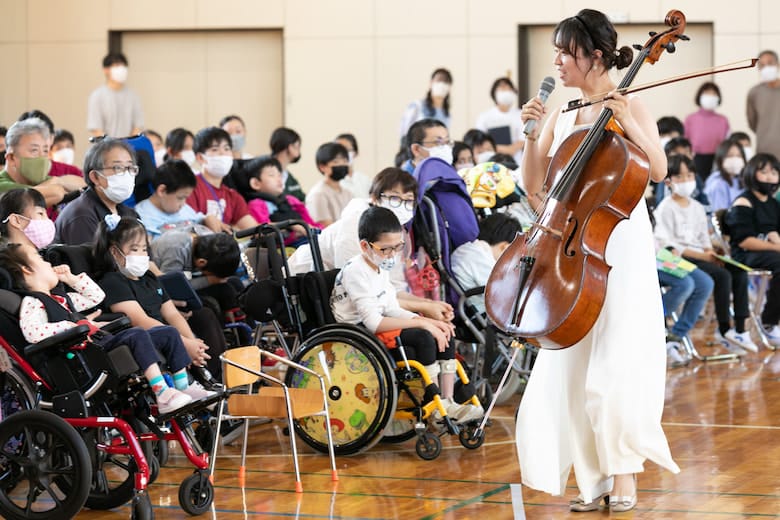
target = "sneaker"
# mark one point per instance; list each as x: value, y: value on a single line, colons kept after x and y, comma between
x: 457, y: 412
x: 773, y: 334
x: 171, y: 400
x: 674, y: 351
x: 231, y: 431
x: 197, y: 392
x: 731, y: 345
x: 472, y: 413
x: 742, y: 339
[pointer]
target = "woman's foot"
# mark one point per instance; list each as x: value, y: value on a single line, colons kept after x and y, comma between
x: 623, y: 497
x: 578, y: 505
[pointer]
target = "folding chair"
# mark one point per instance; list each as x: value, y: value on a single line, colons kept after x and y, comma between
x: 241, y: 368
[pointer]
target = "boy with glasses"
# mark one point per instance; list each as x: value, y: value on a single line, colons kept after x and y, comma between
x: 363, y: 294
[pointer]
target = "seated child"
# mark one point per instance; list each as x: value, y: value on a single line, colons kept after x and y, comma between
x: 167, y: 207
x: 364, y: 295
x: 261, y: 183
x: 681, y: 224
x: 473, y: 261
x: 122, y: 264
x: 44, y: 313
x: 216, y: 257
x: 328, y: 198
x: 23, y: 218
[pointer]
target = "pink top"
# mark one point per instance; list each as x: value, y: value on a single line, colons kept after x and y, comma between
x: 259, y: 209
x: 705, y: 130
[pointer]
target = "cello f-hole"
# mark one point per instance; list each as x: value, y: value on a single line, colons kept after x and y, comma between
x: 566, y: 248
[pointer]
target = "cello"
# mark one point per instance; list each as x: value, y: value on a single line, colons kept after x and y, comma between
x: 550, y: 283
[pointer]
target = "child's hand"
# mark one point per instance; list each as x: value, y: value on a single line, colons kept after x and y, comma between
x: 441, y: 311
x: 64, y: 275
x: 447, y: 328
x: 196, y: 350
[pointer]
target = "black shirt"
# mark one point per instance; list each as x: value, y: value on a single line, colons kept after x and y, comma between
x: 756, y: 221
x: 147, y: 291
x: 77, y: 223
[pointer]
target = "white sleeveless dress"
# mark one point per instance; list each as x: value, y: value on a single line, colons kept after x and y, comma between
x: 597, y: 405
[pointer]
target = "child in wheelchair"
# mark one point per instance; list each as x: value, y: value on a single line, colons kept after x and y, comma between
x: 363, y: 294
x: 44, y: 313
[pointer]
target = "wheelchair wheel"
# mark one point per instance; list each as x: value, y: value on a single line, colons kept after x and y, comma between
x: 196, y: 494
x: 16, y: 393
x: 44, y: 467
x: 428, y: 446
x: 360, y: 383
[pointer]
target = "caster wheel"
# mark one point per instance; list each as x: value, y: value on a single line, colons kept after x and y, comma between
x: 142, y: 508
x: 196, y: 494
x: 154, y: 468
x: 428, y: 446
x: 467, y: 440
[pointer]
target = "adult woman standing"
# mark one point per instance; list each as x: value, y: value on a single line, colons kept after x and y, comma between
x: 597, y: 405
x: 705, y: 128
x: 436, y: 103
x: 502, y: 121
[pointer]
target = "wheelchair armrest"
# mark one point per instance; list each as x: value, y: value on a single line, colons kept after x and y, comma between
x: 66, y: 338
x: 474, y: 291
x: 118, y: 323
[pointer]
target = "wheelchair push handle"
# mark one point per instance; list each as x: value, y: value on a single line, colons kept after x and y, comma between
x: 272, y: 227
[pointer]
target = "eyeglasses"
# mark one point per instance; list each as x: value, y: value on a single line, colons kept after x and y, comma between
x: 395, y: 201
x: 388, y: 250
x: 438, y: 142
x: 132, y: 169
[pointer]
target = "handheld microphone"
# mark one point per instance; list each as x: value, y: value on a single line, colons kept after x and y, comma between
x: 547, y: 86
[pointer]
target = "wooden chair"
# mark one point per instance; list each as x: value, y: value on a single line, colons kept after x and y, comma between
x: 242, y: 367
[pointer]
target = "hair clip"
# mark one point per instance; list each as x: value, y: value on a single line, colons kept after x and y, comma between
x: 111, y: 221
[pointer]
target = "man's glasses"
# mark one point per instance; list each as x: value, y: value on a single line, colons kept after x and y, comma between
x: 388, y: 250
x: 132, y: 169
x: 438, y: 142
x: 395, y: 201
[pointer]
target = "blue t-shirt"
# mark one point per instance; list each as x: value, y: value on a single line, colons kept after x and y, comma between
x: 156, y: 220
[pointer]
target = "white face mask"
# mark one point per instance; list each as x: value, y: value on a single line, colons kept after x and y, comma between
x: 188, y: 156
x: 464, y: 166
x: 684, y: 189
x: 118, y: 73
x: 443, y: 152
x: 120, y: 187
x: 506, y: 98
x: 159, y: 156
x: 386, y: 264
x: 485, y: 156
x: 733, y: 165
x: 768, y: 73
x: 748, y: 152
x: 404, y: 215
x: 440, y: 89
x: 64, y: 155
x: 218, y: 165
x: 709, y: 101
x: 351, y: 156
x: 135, y: 265
x: 664, y: 140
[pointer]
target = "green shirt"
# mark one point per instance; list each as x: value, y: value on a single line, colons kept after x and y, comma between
x: 7, y: 183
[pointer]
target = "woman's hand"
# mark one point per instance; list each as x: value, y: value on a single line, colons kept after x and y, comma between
x: 619, y: 106
x: 533, y: 110
x: 196, y: 350
x: 436, y: 310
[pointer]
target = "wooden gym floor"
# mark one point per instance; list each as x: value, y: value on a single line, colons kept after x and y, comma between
x: 722, y: 421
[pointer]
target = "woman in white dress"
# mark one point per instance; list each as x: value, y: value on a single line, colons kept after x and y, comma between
x: 597, y: 405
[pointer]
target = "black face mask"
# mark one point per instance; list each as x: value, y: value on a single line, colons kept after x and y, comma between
x: 766, y: 188
x: 338, y: 172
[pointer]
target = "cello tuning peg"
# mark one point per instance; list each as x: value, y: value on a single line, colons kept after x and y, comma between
x: 670, y: 48
x: 684, y: 37
x: 652, y: 33
x: 637, y: 47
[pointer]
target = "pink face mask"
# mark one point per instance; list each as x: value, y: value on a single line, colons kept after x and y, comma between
x: 40, y: 231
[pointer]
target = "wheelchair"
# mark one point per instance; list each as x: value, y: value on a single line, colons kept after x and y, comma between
x: 68, y: 379
x: 371, y: 397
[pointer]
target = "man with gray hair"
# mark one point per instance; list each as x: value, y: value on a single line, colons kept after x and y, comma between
x: 28, y: 164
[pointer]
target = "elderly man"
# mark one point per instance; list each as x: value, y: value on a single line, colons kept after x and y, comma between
x: 28, y: 164
x: 110, y: 170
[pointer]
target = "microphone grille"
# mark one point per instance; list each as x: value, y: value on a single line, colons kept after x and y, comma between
x: 548, y: 84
